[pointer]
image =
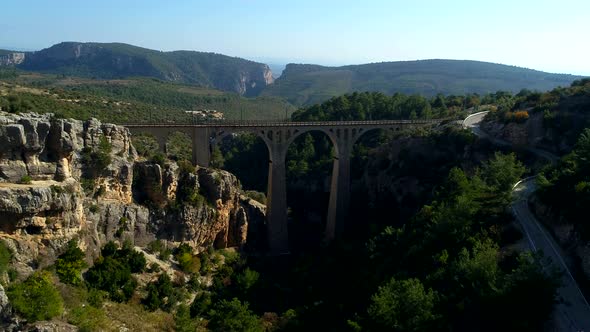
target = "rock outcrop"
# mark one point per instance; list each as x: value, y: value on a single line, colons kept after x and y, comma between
x: 12, y: 59
x: 64, y: 179
x: 535, y: 132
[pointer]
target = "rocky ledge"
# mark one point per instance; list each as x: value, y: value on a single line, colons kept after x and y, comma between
x: 62, y: 179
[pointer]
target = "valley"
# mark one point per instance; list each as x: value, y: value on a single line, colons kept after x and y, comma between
x: 143, y: 190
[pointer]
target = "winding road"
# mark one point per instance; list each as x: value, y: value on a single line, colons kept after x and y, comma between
x: 572, y: 313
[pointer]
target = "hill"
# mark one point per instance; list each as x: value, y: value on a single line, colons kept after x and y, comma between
x: 128, y: 100
x: 116, y: 60
x: 303, y: 84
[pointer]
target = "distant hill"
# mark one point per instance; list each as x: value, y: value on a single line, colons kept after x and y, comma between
x: 115, y: 60
x: 303, y: 84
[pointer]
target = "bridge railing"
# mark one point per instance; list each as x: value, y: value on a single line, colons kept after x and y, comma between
x: 274, y: 123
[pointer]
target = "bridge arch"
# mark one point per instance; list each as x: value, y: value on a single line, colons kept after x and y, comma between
x: 277, y: 136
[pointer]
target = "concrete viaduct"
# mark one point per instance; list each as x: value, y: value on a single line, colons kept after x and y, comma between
x: 278, y: 136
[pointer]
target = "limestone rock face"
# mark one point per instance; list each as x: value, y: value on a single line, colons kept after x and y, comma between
x: 12, y: 59
x: 127, y: 199
x: 5, y: 308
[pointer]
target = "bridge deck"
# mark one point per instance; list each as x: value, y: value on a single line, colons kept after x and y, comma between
x: 259, y: 124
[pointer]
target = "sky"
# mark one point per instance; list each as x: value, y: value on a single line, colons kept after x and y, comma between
x: 544, y: 35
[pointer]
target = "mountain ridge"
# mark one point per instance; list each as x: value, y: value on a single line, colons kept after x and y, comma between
x: 118, y: 60
x: 306, y: 84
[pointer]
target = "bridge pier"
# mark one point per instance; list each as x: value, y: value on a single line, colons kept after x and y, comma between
x: 338, y: 205
x: 276, y: 202
x: 201, y: 146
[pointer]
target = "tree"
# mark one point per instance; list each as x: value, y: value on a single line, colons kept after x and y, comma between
x: 233, y: 316
x: 403, y: 305
x: 69, y: 265
x: 182, y: 319
x: 201, y: 304
x: 36, y: 298
x: 158, y: 292
x: 502, y: 171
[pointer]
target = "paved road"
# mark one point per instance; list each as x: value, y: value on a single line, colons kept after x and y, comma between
x: 573, y: 311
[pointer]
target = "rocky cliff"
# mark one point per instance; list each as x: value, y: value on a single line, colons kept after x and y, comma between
x: 62, y: 179
x: 12, y: 59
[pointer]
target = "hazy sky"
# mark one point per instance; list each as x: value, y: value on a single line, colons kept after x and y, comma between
x: 541, y: 34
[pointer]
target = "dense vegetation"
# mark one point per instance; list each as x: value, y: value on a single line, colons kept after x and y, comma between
x: 566, y: 186
x: 378, y: 106
x: 310, y: 84
x: 129, y: 100
x: 563, y: 113
x: 431, y: 245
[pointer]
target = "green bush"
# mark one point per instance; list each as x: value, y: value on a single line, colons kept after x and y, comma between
x: 201, y: 304
x: 182, y: 319
x: 5, y: 257
x: 95, y: 162
x: 112, y: 271
x: 185, y: 167
x: 88, y: 185
x: 187, y: 262
x: 57, y: 189
x: 36, y: 298
x: 159, y: 158
x: 233, y: 316
x: 69, y: 265
x: 158, y: 292
x: 25, y: 179
x: 256, y: 195
x: 93, y: 208
x: 145, y: 145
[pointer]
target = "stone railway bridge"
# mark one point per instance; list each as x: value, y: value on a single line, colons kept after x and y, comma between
x: 278, y: 136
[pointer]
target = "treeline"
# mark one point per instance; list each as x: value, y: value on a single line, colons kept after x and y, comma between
x: 379, y: 106
x: 564, y: 111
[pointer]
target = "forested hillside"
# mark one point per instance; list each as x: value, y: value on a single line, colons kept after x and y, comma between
x: 116, y: 60
x: 310, y: 84
x: 127, y: 100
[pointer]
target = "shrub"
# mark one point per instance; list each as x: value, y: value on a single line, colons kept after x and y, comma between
x: 112, y: 271
x: 57, y: 189
x: 233, y: 316
x: 36, y: 298
x: 256, y: 195
x: 145, y: 144
x: 93, y: 208
x: 87, y: 185
x: 69, y: 265
x: 26, y: 179
x: 112, y: 276
x: 186, y: 167
x: 201, y: 304
x: 158, y: 291
x: 521, y: 116
x: 95, y: 162
x: 188, y: 263
x: 518, y: 116
x: 155, y: 246
x: 96, y: 297
x: 158, y: 158
x: 5, y: 257
x: 182, y: 319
